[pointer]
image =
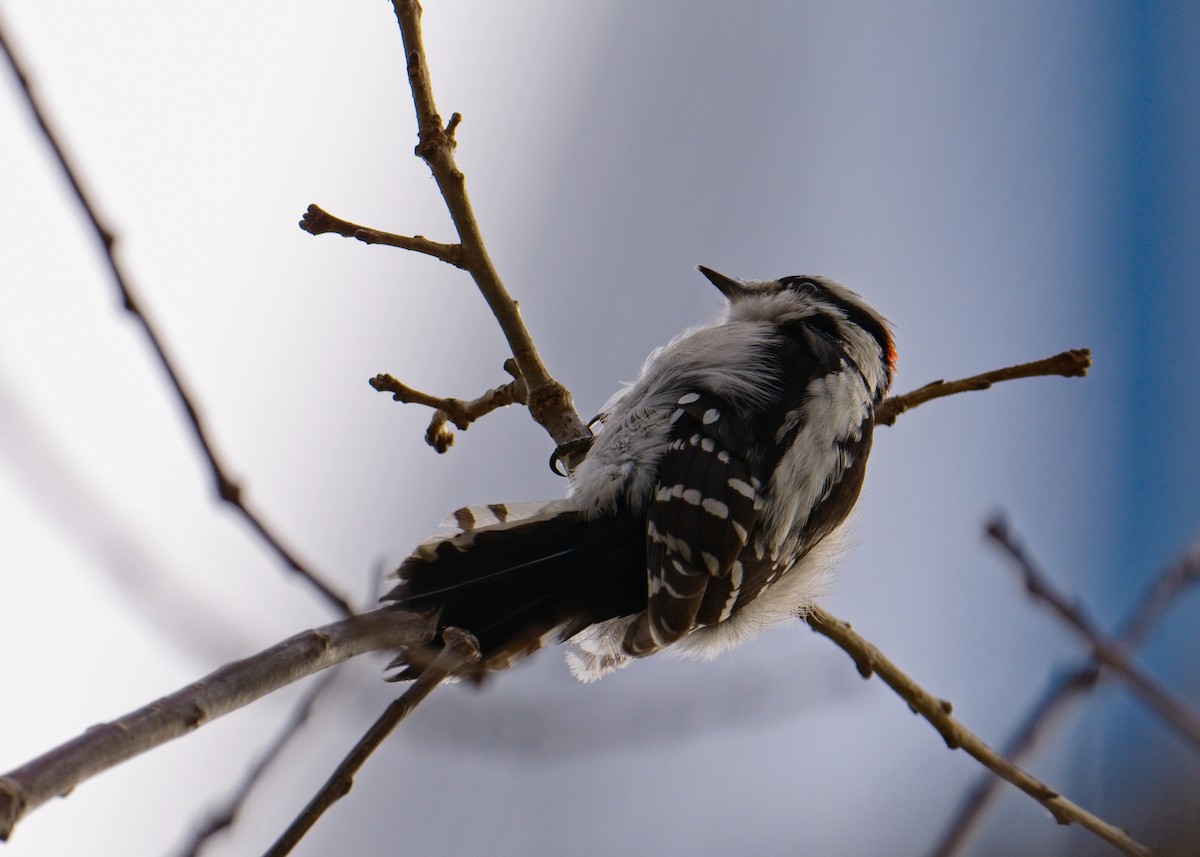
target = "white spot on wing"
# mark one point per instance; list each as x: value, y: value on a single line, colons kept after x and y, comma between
x: 716, y: 508
x: 742, y: 488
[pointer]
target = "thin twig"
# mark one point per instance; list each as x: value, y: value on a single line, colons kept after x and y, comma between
x: 226, y: 488
x: 1069, y: 364
x: 228, y: 688
x: 937, y: 711
x: 318, y: 221
x: 1067, y: 686
x: 549, y: 402
x: 224, y: 818
x: 1174, y: 710
x: 460, y: 649
x: 461, y: 413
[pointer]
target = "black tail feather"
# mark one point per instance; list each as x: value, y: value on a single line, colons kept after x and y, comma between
x: 511, y: 585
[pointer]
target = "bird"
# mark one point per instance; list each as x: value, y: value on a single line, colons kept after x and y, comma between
x: 708, y: 507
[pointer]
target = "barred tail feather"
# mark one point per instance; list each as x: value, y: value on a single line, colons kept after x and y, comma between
x: 518, y: 576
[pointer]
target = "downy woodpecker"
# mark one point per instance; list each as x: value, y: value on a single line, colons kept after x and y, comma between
x: 705, y: 511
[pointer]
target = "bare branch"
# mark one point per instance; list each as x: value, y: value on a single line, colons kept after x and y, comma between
x: 224, y: 818
x: 460, y: 649
x: 1069, y: 364
x: 937, y: 711
x: 318, y: 221
x: 457, y: 411
x: 1176, y: 711
x: 549, y: 402
x: 1062, y: 689
x: 227, y: 489
x: 101, y: 747
x: 1067, y: 686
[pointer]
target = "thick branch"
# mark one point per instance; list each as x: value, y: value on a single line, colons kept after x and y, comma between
x: 549, y: 402
x: 1069, y: 364
x: 318, y: 221
x: 1166, y: 705
x: 871, y: 661
x: 226, y: 488
x: 457, y: 411
x: 460, y: 649
x: 228, y: 688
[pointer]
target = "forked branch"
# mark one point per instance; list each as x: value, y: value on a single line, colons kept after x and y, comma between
x: 549, y: 402
x: 461, y: 413
x: 1174, y: 710
x: 1068, y: 685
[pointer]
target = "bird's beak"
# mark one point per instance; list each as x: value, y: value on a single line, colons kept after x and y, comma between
x: 730, y: 288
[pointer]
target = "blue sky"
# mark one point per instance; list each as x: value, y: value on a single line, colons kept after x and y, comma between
x: 1004, y: 181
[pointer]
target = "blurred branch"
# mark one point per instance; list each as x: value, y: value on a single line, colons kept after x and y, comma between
x: 1177, y: 577
x: 460, y: 648
x: 224, y: 818
x: 169, y: 599
x: 232, y: 686
x: 937, y: 711
x: 226, y: 488
x: 1068, y: 364
x: 1172, y: 709
x: 457, y: 411
x: 1067, y: 686
x: 317, y: 221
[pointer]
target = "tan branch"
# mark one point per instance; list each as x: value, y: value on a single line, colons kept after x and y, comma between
x: 318, y: 221
x: 871, y: 661
x: 549, y: 402
x: 1069, y: 364
x: 1174, y: 710
x: 460, y: 648
x: 228, y: 688
x: 1062, y: 689
x: 226, y: 488
x: 461, y: 413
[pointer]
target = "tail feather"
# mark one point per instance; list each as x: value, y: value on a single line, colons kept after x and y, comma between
x: 478, y: 517
x: 520, y: 575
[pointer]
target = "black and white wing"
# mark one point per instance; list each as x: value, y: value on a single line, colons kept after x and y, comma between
x: 717, y: 534
x: 704, y: 507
